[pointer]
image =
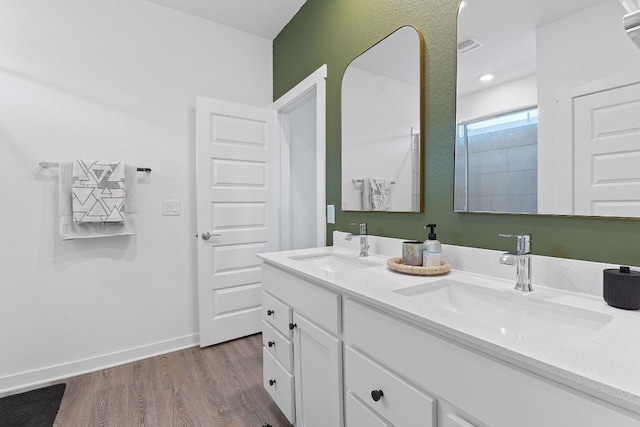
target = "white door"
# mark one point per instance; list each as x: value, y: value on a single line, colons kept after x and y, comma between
x: 318, y: 375
x: 607, y: 160
x: 236, y: 174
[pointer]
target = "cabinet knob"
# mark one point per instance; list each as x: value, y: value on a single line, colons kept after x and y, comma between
x: 376, y: 395
x: 270, y: 312
x: 271, y: 343
x: 293, y: 325
x: 272, y: 382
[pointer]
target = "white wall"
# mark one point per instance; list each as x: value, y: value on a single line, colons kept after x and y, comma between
x: 514, y: 95
x: 378, y: 148
x: 572, y: 53
x: 105, y: 79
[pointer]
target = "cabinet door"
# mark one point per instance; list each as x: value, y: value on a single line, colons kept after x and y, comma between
x: 318, y: 375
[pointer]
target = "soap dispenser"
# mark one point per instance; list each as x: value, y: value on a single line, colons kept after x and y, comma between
x: 432, y: 249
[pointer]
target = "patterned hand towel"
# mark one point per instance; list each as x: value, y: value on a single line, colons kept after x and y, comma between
x: 379, y: 194
x: 69, y: 229
x: 98, y: 189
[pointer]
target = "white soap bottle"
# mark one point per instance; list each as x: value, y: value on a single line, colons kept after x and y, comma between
x: 432, y: 249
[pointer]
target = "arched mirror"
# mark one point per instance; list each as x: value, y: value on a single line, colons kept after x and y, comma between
x: 548, y: 108
x: 381, y: 126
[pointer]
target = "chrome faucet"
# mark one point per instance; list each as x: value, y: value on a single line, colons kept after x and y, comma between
x: 521, y: 258
x: 364, y: 244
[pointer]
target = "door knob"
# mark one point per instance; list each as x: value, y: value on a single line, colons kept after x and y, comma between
x: 271, y: 343
x: 272, y: 382
x: 206, y: 235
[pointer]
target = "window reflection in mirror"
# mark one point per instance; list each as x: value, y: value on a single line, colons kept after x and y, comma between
x: 381, y: 121
x: 497, y: 163
x: 575, y: 62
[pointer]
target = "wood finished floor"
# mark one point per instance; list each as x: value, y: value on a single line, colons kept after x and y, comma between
x: 219, y: 385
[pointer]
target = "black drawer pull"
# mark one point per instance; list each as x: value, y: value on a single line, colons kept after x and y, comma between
x: 376, y: 395
x: 270, y: 312
x: 293, y: 325
x: 272, y: 382
x: 271, y: 343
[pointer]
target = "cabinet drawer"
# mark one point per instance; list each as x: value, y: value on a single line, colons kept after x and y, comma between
x: 479, y: 385
x: 277, y: 313
x: 279, y: 384
x: 452, y: 420
x: 278, y: 345
x: 401, y: 403
x: 357, y: 414
x: 319, y: 305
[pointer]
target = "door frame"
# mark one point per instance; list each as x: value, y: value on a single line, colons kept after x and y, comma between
x: 316, y: 81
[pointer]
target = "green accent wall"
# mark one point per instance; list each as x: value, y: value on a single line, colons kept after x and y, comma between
x: 333, y: 32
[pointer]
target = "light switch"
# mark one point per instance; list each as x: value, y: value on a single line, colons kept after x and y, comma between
x: 331, y: 214
x: 171, y: 207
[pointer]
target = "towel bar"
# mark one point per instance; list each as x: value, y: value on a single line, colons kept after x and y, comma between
x: 46, y: 165
x: 360, y: 181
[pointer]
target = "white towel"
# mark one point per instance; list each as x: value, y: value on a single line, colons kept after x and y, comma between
x: 379, y: 191
x: 70, y: 229
x: 98, y: 191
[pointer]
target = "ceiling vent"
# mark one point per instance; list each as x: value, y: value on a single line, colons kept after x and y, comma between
x: 467, y: 45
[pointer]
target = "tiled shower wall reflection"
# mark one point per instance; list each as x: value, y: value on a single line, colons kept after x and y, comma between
x: 502, y: 171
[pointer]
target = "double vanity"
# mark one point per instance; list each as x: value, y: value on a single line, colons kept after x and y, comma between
x: 349, y: 342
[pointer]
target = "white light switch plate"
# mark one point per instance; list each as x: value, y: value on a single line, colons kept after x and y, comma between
x: 331, y: 214
x: 171, y: 207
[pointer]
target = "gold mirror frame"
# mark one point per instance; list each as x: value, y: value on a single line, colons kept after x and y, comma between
x: 382, y: 108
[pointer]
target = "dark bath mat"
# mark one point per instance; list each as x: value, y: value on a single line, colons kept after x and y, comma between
x: 35, y: 408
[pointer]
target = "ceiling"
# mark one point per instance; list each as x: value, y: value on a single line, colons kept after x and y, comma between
x: 506, y: 29
x: 264, y: 18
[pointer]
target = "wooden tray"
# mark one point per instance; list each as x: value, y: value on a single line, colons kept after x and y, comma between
x: 396, y: 264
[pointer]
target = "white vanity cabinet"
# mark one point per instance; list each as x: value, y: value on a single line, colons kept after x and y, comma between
x: 337, y: 355
x: 307, y: 319
x: 489, y: 392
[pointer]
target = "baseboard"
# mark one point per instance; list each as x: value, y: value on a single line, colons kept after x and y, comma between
x: 25, y: 381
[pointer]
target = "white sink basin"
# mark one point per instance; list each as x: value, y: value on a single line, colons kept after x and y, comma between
x: 512, y: 313
x: 333, y: 263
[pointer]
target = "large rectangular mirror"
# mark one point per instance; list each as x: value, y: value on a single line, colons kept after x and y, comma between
x: 548, y: 108
x: 381, y: 126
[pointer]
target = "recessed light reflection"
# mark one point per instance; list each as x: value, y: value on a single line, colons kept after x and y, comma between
x: 486, y: 77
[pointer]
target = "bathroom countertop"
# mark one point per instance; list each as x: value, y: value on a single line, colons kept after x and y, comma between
x: 605, y: 366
